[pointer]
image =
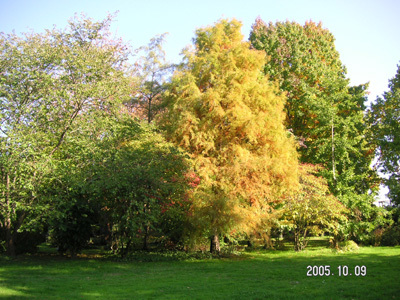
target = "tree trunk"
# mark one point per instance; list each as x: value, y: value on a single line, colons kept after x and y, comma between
x: 214, y: 244
x: 149, y: 110
x: 10, y: 236
x: 10, y: 240
x: 11, y: 232
x: 145, y: 238
x: 296, y: 240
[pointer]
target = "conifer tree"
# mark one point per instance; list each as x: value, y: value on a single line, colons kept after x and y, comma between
x: 228, y: 116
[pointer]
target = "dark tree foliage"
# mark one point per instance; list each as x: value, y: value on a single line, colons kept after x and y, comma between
x: 384, y: 117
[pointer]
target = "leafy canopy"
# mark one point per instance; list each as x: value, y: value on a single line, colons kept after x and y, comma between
x: 228, y: 116
x: 313, y: 207
x: 385, y: 127
x: 322, y: 111
x: 52, y: 85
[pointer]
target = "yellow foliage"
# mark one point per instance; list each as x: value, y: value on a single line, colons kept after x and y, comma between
x: 230, y: 119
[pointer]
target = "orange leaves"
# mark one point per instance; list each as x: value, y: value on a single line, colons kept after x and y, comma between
x: 193, y: 179
x: 225, y: 47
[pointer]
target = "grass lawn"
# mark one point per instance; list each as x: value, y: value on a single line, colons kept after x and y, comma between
x: 253, y: 275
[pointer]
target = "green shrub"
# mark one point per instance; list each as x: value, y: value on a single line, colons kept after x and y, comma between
x: 71, y: 228
x: 25, y: 242
x: 28, y: 242
x: 376, y: 237
x: 348, y: 246
x: 391, y: 236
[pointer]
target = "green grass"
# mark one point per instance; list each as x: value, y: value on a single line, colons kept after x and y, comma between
x: 253, y: 275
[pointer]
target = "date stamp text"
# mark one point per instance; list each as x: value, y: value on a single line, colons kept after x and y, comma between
x: 339, y: 271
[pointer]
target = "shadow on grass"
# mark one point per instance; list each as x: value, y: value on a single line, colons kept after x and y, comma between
x: 257, y: 275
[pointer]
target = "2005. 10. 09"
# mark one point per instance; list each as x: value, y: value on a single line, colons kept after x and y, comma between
x: 342, y: 271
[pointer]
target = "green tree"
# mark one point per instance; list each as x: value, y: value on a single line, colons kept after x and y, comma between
x: 141, y: 181
x: 229, y: 118
x: 51, y: 84
x: 384, y: 118
x: 69, y: 189
x: 322, y: 111
x: 313, y: 207
x: 363, y: 218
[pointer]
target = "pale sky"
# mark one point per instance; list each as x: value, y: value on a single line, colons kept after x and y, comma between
x: 366, y: 31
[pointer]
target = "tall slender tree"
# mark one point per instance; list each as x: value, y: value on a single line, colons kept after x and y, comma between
x: 384, y: 118
x: 228, y: 116
x: 151, y: 72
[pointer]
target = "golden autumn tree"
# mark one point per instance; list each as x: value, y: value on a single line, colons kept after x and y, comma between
x: 226, y: 114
